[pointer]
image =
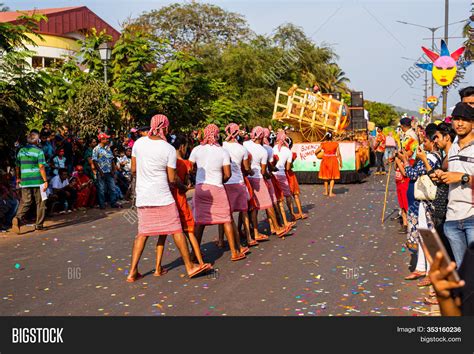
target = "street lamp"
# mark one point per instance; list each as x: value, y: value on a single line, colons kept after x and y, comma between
x: 105, y: 53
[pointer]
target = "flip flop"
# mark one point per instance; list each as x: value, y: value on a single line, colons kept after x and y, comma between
x: 244, y: 250
x: 284, y: 232
x: 430, y: 301
x: 161, y: 273
x: 304, y: 216
x: 424, y: 282
x: 262, y: 238
x: 415, y: 275
x: 238, y: 258
x: 202, y: 268
x: 252, y: 243
x: 292, y: 224
x: 132, y: 280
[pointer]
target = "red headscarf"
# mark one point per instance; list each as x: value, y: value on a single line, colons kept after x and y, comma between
x: 158, y: 125
x: 266, y: 135
x: 232, y: 130
x: 211, y: 135
x: 257, y: 133
x: 281, y: 139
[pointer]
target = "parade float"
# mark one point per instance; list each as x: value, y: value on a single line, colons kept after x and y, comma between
x: 311, y: 115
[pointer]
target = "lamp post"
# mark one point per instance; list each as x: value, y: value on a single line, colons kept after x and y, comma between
x: 105, y: 53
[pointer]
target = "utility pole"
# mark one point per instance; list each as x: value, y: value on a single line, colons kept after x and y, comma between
x: 446, y: 20
x: 433, y: 30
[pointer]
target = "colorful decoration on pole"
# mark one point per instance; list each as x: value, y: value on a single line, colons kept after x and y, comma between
x: 432, y: 102
x: 445, y: 64
x: 424, y: 111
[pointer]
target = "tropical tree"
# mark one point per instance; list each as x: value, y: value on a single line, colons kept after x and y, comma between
x: 132, y: 67
x: 91, y: 109
x: 334, y: 80
x: 89, y: 53
x: 188, y: 26
x: 21, y: 89
x: 468, y: 33
x: 381, y: 114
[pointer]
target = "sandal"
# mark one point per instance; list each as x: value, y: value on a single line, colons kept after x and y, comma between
x: 162, y: 272
x: 252, y: 243
x: 415, y: 275
x: 132, y: 280
x: 238, y: 258
x: 261, y: 238
x: 284, y: 231
x: 244, y: 250
x: 430, y: 301
x: 424, y: 282
x: 202, y: 268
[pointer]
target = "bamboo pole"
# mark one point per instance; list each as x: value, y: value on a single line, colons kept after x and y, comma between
x: 386, y: 191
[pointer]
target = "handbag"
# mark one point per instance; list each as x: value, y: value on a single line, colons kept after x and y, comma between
x: 425, y: 189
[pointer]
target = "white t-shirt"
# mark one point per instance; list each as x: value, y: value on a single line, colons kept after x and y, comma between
x: 56, y: 183
x: 209, y: 160
x: 237, y: 154
x: 259, y: 157
x: 460, y: 198
x: 269, y: 152
x: 153, y: 157
x: 284, y: 156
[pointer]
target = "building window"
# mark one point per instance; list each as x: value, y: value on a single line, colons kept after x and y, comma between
x: 46, y: 62
x: 37, y: 62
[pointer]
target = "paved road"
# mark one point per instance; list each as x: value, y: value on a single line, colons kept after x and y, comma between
x: 340, y: 261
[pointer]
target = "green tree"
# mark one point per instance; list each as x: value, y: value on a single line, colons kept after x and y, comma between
x: 335, y: 80
x: 3, y: 7
x: 189, y: 26
x: 468, y: 33
x: 89, y: 56
x: 134, y: 69
x: 381, y: 114
x: 21, y: 90
x: 91, y: 109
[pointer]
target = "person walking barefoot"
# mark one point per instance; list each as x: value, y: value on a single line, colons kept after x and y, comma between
x: 154, y: 164
x: 331, y: 164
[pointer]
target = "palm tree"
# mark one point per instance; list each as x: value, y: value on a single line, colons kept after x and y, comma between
x: 3, y: 7
x: 334, y: 80
x: 468, y: 32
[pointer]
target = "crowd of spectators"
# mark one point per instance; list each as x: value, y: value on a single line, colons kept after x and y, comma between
x: 444, y: 152
x: 80, y: 173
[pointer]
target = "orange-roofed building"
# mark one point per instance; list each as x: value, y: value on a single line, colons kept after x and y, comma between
x: 60, y: 33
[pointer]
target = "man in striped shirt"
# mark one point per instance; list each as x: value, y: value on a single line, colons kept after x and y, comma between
x: 31, y: 176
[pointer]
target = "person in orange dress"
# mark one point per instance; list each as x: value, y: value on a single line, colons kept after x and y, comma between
x: 182, y: 185
x: 331, y: 164
x: 295, y: 188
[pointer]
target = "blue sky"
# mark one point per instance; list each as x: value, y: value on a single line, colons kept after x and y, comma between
x: 365, y: 34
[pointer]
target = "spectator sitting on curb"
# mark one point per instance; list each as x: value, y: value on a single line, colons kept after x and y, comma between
x: 62, y: 193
